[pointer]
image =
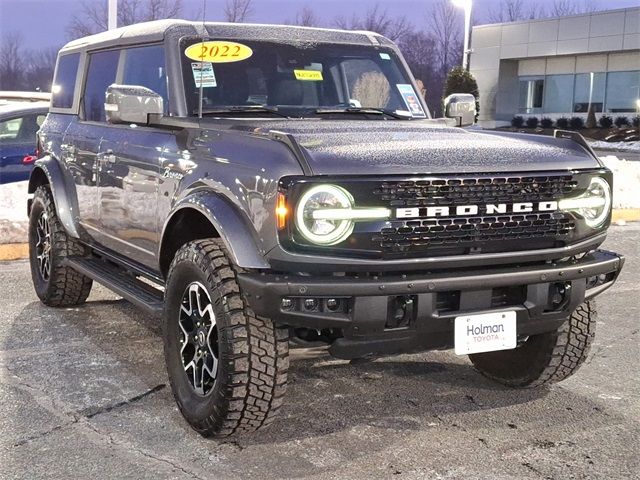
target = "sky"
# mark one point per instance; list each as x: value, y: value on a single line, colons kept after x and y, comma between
x: 43, y: 23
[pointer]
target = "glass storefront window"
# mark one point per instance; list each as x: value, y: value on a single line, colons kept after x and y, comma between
x: 589, y: 85
x: 623, y: 92
x: 558, y: 93
x: 531, y: 93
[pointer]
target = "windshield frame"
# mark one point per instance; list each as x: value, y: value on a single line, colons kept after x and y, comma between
x: 302, y: 111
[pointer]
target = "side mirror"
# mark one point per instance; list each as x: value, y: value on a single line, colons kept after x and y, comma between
x: 461, y: 107
x: 131, y: 104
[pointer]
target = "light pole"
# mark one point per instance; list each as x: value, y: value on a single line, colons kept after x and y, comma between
x: 112, y: 18
x: 466, y: 48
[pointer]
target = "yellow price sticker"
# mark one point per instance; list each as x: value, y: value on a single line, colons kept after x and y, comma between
x: 218, y: 52
x: 309, y: 75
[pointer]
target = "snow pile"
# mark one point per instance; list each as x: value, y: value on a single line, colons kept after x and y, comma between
x: 13, y: 212
x: 626, y: 181
x: 619, y: 146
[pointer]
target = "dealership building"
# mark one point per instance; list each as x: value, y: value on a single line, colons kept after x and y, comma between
x: 557, y: 66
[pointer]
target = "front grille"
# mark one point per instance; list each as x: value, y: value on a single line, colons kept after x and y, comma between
x: 418, y: 235
x: 464, y: 191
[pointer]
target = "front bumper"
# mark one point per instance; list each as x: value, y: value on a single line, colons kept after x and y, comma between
x: 541, y: 295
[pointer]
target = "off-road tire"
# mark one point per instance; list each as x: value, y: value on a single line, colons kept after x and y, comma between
x: 545, y: 358
x: 253, y: 354
x: 64, y: 287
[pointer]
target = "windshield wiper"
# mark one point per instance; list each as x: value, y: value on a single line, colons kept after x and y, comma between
x: 364, y: 110
x: 243, y: 109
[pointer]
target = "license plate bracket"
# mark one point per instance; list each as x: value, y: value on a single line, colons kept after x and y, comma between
x: 485, y: 332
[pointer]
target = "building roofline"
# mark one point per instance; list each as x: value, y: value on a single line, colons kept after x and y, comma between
x: 547, y: 19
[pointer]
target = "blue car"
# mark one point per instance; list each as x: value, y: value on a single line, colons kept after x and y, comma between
x: 19, y: 123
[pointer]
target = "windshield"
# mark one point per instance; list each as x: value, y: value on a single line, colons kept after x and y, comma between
x: 296, y: 80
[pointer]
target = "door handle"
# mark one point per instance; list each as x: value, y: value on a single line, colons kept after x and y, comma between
x: 68, y: 148
x: 107, y: 156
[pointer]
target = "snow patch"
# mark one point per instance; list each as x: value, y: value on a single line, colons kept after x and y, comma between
x: 626, y: 181
x: 620, y: 146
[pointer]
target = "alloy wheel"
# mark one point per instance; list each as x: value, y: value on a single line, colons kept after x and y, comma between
x: 43, y: 246
x: 199, y: 338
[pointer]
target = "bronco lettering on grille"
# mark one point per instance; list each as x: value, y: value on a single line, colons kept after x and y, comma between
x: 472, y: 210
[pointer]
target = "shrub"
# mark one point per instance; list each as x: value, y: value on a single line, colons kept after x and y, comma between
x: 605, y: 121
x: 517, y: 121
x: 546, y: 122
x: 576, y: 123
x: 532, y: 122
x: 635, y: 121
x: 460, y: 80
x: 621, y: 121
x: 562, y: 122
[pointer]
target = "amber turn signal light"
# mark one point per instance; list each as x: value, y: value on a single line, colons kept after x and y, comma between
x: 281, y: 211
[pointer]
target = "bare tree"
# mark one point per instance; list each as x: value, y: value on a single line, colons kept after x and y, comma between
x: 11, y: 63
x: 561, y: 8
x: 92, y: 15
x: 306, y: 17
x: 378, y: 20
x: 39, y: 69
x: 445, y: 24
x: 238, y: 11
x: 512, y: 11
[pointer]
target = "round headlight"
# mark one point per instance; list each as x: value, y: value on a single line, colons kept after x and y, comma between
x: 323, y: 231
x: 593, y: 205
x: 600, y: 191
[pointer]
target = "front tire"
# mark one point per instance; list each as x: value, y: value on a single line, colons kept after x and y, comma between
x: 56, y: 284
x: 546, y: 358
x: 227, y: 368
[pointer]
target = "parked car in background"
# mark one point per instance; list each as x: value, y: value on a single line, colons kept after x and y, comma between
x: 8, y: 97
x: 19, y: 123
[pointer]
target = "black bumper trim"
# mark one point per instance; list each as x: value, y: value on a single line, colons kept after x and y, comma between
x: 281, y: 259
x: 364, y: 323
x: 262, y: 287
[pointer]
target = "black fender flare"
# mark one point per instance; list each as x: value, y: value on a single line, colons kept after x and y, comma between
x: 66, y: 204
x: 234, y: 228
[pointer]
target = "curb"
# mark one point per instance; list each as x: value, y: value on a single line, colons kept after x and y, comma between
x: 14, y: 251
x: 17, y: 251
x: 626, y: 214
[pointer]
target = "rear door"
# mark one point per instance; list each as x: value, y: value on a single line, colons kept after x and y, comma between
x: 83, y: 137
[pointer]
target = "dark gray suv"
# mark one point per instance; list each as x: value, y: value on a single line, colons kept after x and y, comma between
x: 261, y: 185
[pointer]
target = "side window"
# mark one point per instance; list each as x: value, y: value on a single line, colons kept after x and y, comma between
x: 9, y: 130
x: 101, y: 74
x: 145, y: 66
x: 64, y: 83
x: 20, y: 130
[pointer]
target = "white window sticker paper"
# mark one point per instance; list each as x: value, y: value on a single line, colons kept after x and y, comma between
x: 385, y: 56
x: 411, y: 100
x: 203, y: 74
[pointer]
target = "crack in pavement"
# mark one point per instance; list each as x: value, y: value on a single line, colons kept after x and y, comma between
x: 61, y: 409
x: 91, y: 412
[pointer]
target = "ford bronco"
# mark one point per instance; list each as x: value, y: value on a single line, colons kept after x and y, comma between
x: 261, y: 186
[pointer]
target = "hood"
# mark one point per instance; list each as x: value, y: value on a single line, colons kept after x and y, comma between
x: 424, y: 147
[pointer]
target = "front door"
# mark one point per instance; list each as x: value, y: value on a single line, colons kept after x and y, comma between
x: 130, y: 162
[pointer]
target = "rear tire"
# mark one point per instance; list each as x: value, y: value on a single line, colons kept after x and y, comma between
x: 546, y: 358
x: 227, y: 368
x: 56, y: 284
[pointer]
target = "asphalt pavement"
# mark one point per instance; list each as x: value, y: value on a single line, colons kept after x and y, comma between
x: 84, y: 394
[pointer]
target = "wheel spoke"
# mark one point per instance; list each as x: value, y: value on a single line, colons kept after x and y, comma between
x: 197, y: 328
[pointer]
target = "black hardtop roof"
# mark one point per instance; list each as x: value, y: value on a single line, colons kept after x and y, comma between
x: 161, y: 29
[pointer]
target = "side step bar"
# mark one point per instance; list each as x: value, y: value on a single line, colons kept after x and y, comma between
x: 128, y: 287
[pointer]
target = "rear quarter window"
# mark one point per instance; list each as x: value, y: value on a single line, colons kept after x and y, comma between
x: 64, y: 83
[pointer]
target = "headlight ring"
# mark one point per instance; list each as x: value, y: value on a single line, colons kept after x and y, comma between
x: 324, y: 231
